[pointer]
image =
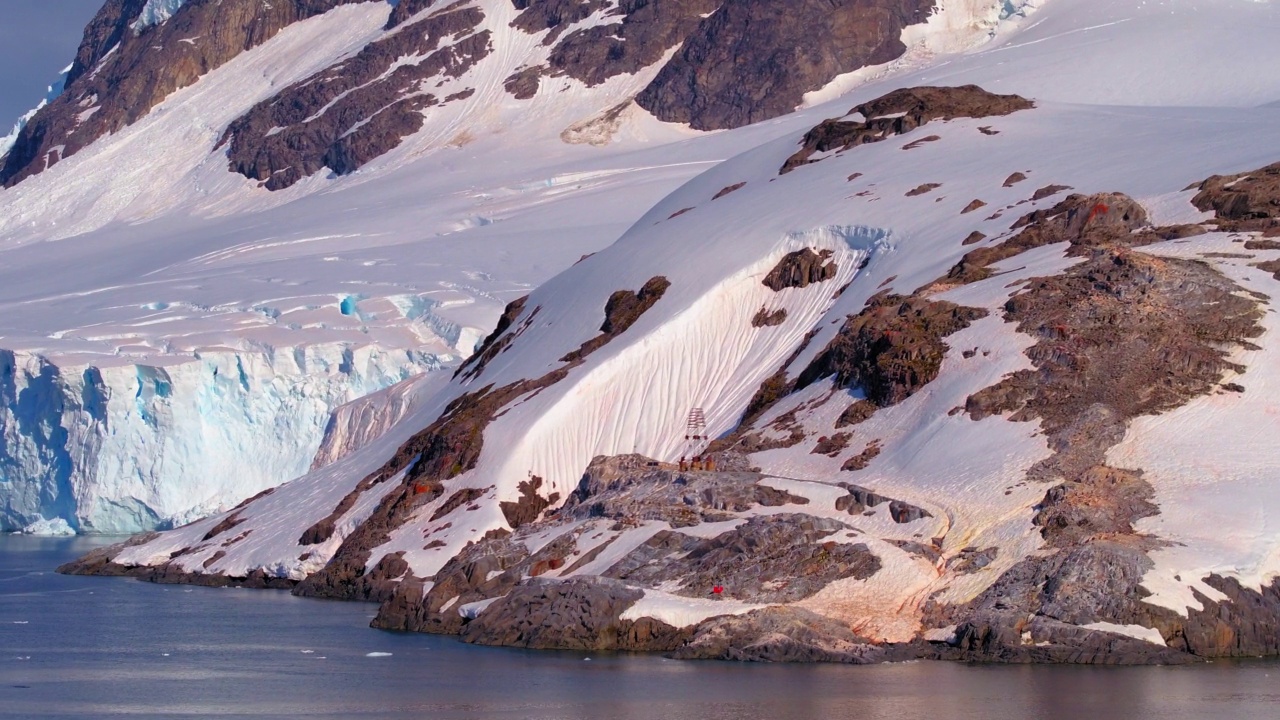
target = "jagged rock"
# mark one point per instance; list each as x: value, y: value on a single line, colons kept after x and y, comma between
x: 621, y: 310
x: 641, y: 33
x: 862, y: 459
x: 833, y: 445
x: 465, y: 496
x: 902, y: 111
x: 801, y: 268
x: 529, y: 506
x: 971, y: 560
x: 498, y: 340
x: 859, y: 412
x: 481, y: 571
x: 1014, y: 179
x: 719, y: 80
x: 922, y: 189
x: 729, y: 189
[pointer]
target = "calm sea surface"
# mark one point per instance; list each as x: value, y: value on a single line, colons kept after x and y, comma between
x: 100, y: 648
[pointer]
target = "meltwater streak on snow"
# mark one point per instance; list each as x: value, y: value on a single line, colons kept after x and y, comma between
x: 131, y: 447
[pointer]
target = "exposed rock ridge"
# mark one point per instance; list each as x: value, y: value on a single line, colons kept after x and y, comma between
x: 641, y: 34
x: 345, y: 116
x: 1119, y: 336
x: 119, y: 75
x: 899, y: 112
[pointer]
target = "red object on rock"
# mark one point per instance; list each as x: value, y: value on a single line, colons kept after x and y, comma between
x: 717, y: 589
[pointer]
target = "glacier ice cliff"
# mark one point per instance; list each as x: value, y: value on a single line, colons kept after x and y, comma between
x: 128, y: 447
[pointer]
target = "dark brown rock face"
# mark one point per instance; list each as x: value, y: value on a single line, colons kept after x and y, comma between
x: 892, y: 348
x: 801, y: 268
x: 643, y: 32
x: 124, y: 74
x: 902, y: 111
x: 341, y: 118
x: 752, y: 60
x: 621, y: 310
x: 529, y: 506
x: 1247, y: 196
x: 578, y: 614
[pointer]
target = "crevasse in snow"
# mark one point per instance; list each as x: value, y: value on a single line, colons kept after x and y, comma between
x: 133, y: 447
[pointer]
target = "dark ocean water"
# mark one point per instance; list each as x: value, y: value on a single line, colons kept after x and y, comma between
x: 100, y: 648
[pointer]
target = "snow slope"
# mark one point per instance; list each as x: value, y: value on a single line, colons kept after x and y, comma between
x: 696, y: 346
x: 1119, y: 108
x: 144, y: 250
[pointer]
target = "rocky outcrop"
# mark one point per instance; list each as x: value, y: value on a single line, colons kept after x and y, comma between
x: 891, y: 349
x: 530, y: 505
x: 1119, y: 336
x: 1252, y: 198
x: 343, y: 117
x: 800, y: 269
x: 753, y: 60
x: 780, y: 634
x: 764, y: 318
x: 1086, y: 222
x: 120, y: 74
x: 498, y: 340
x: 899, y: 112
x: 578, y: 614
x: 768, y: 559
x: 621, y: 311
x: 629, y: 489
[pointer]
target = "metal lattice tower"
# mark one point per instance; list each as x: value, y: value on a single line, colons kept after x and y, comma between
x: 697, y: 427
x: 695, y: 434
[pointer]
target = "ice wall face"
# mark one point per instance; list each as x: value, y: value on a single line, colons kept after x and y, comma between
x: 134, y: 447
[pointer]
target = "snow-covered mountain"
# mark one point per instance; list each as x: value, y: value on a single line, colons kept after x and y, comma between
x: 134, y: 242
x: 975, y: 318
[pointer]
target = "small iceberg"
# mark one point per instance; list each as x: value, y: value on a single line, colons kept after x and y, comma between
x: 377, y: 654
x: 56, y: 527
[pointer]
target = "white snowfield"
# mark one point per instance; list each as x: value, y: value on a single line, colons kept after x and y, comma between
x: 455, y: 230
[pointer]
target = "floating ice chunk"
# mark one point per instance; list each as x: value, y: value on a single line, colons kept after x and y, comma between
x: 378, y: 654
x: 56, y: 527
